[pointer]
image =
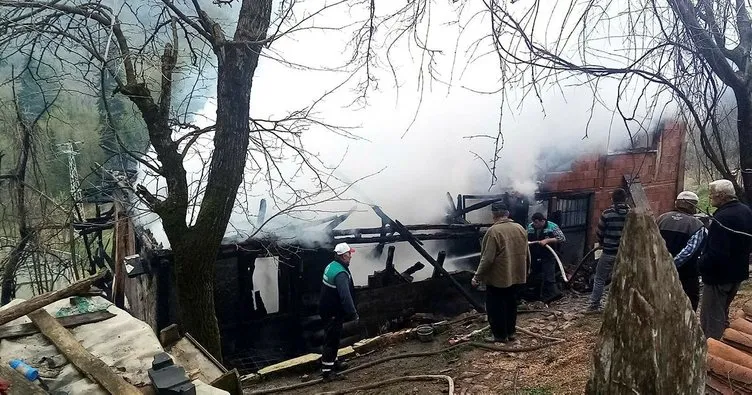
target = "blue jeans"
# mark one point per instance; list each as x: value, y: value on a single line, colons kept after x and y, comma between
x: 602, y: 275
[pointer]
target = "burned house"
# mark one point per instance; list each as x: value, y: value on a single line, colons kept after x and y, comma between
x: 266, y: 290
x: 652, y: 174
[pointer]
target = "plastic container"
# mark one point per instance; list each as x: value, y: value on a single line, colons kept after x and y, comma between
x: 30, y: 373
x: 425, y: 333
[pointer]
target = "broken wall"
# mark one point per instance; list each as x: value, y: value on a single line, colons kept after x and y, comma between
x: 660, y: 171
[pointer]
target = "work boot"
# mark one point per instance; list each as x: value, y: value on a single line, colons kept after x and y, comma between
x: 340, y: 366
x: 493, y: 339
x: 330, y: 375
x: 593, y: 310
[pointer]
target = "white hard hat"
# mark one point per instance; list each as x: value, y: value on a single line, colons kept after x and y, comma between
x: 688, y: 195
x: 343, y: 248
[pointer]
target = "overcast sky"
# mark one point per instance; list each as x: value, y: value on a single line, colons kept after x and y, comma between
x: 434, y: 156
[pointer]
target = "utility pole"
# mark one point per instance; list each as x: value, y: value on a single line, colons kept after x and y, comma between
x: 75, y: 190
x: 75, y: 185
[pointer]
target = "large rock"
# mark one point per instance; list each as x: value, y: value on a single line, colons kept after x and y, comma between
x: 650, y: 341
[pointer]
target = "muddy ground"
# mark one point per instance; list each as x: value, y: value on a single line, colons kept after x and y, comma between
x: 559, y: 369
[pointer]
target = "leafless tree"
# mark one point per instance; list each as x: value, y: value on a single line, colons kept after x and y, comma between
x: 149, y: 48
x: 692, y: 52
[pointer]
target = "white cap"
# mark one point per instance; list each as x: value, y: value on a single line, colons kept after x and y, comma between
x: 343, y: 248
x: 688, y: 195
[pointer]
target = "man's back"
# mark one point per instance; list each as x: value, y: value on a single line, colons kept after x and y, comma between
x: 676, y: 229
x: 610, y: 227
x: 505, y: 256
x: 725, y: 258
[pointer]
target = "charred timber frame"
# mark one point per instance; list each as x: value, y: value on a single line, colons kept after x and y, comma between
x: 408, y: 237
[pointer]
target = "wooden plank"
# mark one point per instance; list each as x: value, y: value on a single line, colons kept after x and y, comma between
x: 9, y: 332
x: 124, y: 246
x: 18, y: 383
x: 91, y: 366
x: 192, y: 359
x: 39, y: 301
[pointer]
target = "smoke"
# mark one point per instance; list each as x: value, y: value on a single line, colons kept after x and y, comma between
x: 415, y: 143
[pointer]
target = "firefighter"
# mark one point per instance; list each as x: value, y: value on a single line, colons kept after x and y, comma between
x: 336, y: 306
x: 541, y: 233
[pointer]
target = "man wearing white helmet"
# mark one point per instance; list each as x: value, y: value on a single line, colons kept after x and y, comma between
x: 337, y: 305
x: 677, y: 227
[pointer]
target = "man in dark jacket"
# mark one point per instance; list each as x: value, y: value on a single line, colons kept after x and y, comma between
x: 336, y: 306
x: 610, y: 227
x: 541, y: 233
x: 724, y: 262
x: 677, y: 228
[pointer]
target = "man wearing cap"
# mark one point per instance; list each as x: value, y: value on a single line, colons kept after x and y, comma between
x: 504, y: 263
x: 337, y: 305
x: 677, y: 228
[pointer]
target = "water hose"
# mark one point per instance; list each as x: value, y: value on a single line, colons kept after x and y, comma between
x: 486, y: 346
x: 556, y: 256
x: 423, y: 377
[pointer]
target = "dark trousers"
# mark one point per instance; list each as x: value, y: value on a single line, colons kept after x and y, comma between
x: 332, y: 334
x: 501, y: 307
x: 716, y: 299
x: 691, y: 286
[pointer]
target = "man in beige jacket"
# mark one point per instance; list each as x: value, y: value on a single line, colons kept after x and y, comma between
x: 504, y: 264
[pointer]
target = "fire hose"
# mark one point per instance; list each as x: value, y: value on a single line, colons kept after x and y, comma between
x: 556, y: 256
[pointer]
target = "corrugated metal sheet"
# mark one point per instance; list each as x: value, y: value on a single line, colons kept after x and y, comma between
x: 122, y: 342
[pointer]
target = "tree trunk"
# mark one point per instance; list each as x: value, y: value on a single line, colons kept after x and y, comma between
x: 195, y: 249
x: 8, y: 291
x: 744, y: 129
x: 193, y: 270
x: 650, y: 341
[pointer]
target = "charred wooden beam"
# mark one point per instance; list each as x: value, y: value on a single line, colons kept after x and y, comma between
x: 382, y: 231
x: 440, y: 261
x: 401, y: 237
x: 474, y: 207
x: 418, y: 247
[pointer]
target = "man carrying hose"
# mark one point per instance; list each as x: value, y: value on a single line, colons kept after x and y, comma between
x: 504, y: 262
x: 336, y: 306
x: 541, y: 233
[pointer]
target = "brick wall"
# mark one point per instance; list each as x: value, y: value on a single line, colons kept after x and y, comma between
x: 660, y: 171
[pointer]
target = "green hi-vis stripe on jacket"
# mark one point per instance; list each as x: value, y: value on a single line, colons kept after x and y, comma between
x: 331, y: 272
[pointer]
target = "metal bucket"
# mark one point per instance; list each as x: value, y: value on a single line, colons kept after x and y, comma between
x: 425, y: 333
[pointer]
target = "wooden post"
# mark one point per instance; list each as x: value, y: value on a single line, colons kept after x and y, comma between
x: 124, y: 246
x: 650, y: 341
x: 440, y: 262
x: 390, y: 259
x: 11, y: 313
x: 92, y: 367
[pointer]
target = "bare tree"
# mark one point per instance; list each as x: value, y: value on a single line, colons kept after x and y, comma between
x: 692, y: 52
x: 146, y: 50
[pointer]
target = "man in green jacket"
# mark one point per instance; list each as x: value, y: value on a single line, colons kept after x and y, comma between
x: 504, y: 264
x: 336, y: 306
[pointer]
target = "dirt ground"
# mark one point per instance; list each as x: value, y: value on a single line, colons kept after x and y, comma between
x: 560, y: 369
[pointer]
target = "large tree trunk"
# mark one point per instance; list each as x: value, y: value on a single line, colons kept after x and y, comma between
x: 744, y: 129
x: 195, y: 249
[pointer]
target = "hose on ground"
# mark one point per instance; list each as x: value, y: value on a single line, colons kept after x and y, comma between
x: 486, y: 346
x: 423, y: 377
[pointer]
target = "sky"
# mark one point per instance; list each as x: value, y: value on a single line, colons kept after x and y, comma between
x: 410, y: 146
